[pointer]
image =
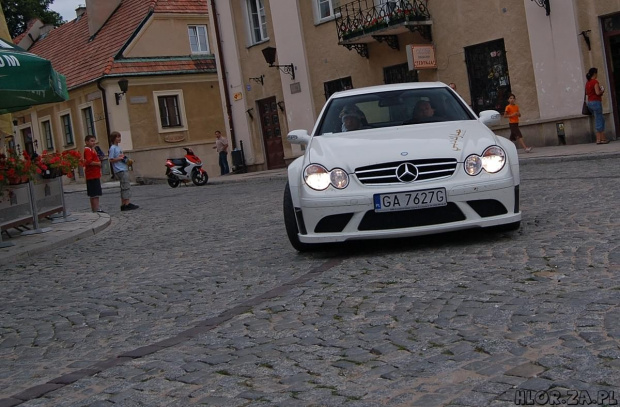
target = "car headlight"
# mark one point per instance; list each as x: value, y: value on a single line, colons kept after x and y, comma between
x: 339, y: 178
x: 319, y: 178
x: 492, y: 160
x: 473, y: 164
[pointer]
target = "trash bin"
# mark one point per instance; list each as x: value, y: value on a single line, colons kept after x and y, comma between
x: 237, y: 159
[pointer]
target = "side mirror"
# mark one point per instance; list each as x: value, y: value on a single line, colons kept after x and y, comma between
x: 298, y: 137
x: 490, y: 117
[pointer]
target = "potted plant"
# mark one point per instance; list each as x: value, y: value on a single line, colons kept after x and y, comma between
x: 16, y: 169
x: 55, y: 164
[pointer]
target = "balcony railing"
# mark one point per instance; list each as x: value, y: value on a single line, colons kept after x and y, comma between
x: 363, y: 19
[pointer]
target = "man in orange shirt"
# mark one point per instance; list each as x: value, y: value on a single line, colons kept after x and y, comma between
x: 512, y: 114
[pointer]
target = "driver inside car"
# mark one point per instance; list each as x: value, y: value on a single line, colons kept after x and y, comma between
x: 352, y: 118
x: 423, y: 110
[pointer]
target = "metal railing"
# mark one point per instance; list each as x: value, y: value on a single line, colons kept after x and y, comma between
x: 362, y: 17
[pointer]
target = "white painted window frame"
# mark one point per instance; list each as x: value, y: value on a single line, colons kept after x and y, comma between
x: 250, y: 25
x: 316, y: 7
x: 179, y: 94
x: 83, y: 120
x: 44, y: 135
x: 202, y: 48
x: 62, y: 127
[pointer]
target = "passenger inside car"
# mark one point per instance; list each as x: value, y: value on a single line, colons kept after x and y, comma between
x: 424, y: 112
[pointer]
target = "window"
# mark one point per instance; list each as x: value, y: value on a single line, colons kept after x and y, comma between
x: 336, y: 86
x: 391, y: 108
x: 489, y: 81
x: 324, y: 10
x: 46, y: 129
x: 258, y: 20
x: 89, y: 123
x: 198, y: 39
x: 169, y: 111
x: 399, y: 74
x: 67, y: 129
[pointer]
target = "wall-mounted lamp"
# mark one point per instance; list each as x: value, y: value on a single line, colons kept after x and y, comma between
x: 270, y: 57
x: 258, y: 79
x: 545, y: 4
x: 281, y: 105
x: 249, y: 112
x: 586, y: 38
x: 124, y: 85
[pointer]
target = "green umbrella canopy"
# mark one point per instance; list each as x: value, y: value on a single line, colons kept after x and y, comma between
x: 27, y: 79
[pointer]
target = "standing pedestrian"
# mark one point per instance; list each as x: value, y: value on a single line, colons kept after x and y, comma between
x: 221, y: 146
x: 594, y: 91
x: 512, y: 113
x: 121, y: 171
x: 92, y: 173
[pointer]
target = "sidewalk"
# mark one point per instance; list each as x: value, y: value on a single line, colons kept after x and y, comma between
x: 83, y: 224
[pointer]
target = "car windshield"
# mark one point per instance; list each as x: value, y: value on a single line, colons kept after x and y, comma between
x: 392, y: 108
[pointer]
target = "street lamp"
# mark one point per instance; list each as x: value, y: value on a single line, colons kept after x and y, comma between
x: 270, y: 57
x: 123, y: 84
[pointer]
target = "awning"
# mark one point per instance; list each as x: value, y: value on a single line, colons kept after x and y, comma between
x: 27, y: 79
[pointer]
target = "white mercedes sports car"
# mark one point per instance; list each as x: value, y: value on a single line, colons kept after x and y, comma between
x: 399, y: 160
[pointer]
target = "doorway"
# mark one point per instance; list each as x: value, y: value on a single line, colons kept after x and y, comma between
x: 611, y: 37
x: 28, y: 141
x: 272, y: 135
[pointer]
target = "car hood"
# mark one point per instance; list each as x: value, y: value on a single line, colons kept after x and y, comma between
x: 351, y: 150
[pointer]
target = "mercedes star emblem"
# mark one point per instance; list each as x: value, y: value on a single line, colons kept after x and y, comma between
x: 406, y: 172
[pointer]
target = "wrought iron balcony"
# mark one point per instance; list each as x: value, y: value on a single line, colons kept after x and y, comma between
x: 362, y: 21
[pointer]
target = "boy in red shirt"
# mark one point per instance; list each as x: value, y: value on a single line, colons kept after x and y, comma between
x: 512, y: 114
x: 92, y: 172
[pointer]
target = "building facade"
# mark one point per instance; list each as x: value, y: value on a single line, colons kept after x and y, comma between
x: 540, y: 50
x: 143, y: 68
x: 258, y: 69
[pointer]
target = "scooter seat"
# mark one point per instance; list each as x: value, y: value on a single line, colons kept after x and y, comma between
x: 178, y: 161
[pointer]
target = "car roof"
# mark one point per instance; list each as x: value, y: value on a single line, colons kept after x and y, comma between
x: 387, y: 88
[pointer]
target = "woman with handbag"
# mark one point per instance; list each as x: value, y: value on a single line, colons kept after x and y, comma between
x: 593, y: 92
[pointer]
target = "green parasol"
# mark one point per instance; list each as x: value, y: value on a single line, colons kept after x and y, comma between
x: 27, y: 79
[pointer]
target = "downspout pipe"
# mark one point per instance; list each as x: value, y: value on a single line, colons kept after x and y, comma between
x: 224, y: 80
x: 105, y: 110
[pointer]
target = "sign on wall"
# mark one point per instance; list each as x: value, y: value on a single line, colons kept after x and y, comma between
x: 421, y: 56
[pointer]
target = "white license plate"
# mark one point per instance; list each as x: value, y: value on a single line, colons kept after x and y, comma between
x: 402, y: 201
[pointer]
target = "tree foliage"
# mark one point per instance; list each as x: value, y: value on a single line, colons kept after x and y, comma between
x: 19, y: 12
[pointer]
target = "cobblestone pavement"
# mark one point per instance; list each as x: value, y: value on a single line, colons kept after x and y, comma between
x: 198, y: 299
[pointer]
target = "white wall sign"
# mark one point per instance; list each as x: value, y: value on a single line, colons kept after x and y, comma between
x: 421, y: 56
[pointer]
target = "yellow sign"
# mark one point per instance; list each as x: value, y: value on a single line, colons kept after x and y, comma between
x: 238, y: 96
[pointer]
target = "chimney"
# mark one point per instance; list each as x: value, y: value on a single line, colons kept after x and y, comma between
x: 98, y: 13
x: 81, y: 9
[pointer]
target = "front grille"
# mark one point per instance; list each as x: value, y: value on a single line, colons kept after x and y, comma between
x: 385, y: 173
x: 406, y: 219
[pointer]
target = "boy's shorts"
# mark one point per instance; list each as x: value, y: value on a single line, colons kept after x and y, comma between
x: 515, y: 132
x: 93, y: 187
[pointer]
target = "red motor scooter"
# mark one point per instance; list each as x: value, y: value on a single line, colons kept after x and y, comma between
x: 185, y: 169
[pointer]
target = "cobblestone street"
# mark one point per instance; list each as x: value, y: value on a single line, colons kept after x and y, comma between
x: 197, y: 298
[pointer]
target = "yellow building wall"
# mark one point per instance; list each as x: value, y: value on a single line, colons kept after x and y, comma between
x: 202, y: 108
x: 165, y: 36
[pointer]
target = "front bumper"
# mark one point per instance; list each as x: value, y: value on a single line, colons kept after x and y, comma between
x: 342, y: 216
